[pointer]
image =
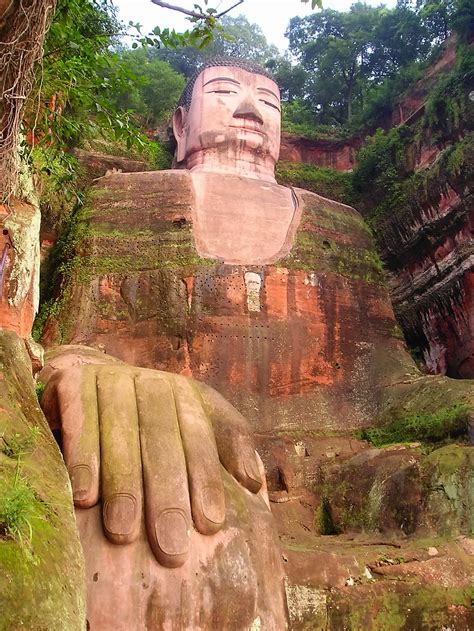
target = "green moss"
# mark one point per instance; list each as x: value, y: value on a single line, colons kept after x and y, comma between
x: 313, y: 253
x: 323, y: 181
x: 41, y: 569
x: 323, y: 520
x: 396, y: 607
x: 447, y: 460
x: 433, y: 427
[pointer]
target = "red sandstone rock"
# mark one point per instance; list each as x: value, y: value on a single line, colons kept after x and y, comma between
x: 335, y: 154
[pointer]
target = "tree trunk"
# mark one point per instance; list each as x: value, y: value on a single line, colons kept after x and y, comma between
x: 23, y: 26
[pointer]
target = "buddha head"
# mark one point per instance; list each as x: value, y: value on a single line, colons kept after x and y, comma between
x: 228, y: 120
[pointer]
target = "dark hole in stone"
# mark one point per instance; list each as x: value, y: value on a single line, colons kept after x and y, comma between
x: 58, y: 438
x: 326, y: 245
x: 5, y: 231
x: 95, y: 578
x: 337, y: 365
x: 179, y: 223
x: 281, y: 484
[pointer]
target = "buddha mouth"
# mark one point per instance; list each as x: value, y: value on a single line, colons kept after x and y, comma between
x: 254, y: 127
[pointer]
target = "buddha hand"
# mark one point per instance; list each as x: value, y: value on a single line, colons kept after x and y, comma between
x: 136, y: 437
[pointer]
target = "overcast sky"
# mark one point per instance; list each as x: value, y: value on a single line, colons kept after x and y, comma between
x: 271, y: 15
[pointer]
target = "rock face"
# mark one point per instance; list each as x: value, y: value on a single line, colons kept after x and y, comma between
x: 427, y: 243
x: 336, y: 154
x: 409, y: 104
x: 19, y: 267
x: 306, y: 347
x: 142, y: 294
x: 41, y: 560
x: 427, y: 247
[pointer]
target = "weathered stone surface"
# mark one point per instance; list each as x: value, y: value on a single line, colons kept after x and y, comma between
x: 398, y: 489
x: 42, y: 585
x: 232, y: 580
x: 19, y: 266
x: 355, y: 583
x: 141, y: 293
x: 95, y: 164
x: 170, y: 498
x: 431, y: 259
x: 336, y: 154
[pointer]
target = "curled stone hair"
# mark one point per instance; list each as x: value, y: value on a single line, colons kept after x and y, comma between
x: 215, y: 62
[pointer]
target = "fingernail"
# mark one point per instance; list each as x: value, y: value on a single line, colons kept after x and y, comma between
x: 81, y: 481
x: 213, y: 504
x: 119, y: 514
x: 252, y: 470
x: 172, y: 532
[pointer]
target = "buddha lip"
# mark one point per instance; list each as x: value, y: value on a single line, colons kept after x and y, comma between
x: 248, y: 128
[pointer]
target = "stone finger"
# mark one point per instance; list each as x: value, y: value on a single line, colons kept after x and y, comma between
x: 121, y: 474
x: 234, y: 443
x: 74, y: 400
x: 202, y: 460
x: 167, y: 504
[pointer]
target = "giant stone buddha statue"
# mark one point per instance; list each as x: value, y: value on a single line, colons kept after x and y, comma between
x: 271, y: 295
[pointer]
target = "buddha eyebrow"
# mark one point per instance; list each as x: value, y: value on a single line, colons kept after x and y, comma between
x: 222, y: 79
x: 269, y: 92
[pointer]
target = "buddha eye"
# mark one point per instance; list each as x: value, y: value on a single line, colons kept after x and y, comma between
x: 275, y: 107
x: 223, y: 92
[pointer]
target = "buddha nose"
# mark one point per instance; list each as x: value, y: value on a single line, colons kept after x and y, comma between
x: 247, y: 109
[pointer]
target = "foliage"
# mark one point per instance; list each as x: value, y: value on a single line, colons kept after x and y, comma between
x: 346, y: 52
x: 16, y: 445
x: 39, y: 389
x: 461, y: 20
x: 385, y: 185
x: 18, y: 508
x: 324, y: 521
x: 154, y: 90
x: 297, y: 118
x: 237, y: 38
x: 323, y: 181
x: 445, y: 424
x: 381, y: 98
x: 75, y: 99
x: 347, y: 56
x: 19, y: 505
x: 380, y: 171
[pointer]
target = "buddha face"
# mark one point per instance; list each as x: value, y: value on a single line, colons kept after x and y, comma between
x: 234, y: 118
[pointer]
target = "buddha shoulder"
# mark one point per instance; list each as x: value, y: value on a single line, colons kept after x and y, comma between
x: 143, y: 197
x: 331, y: 216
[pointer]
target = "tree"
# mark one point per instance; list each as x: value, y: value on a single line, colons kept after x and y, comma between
x: 346, y: 54
x: 154, y: 89
x: 22, y: 30
x: 290, y: 77
x: 337, y: 49
x: 236, y: 37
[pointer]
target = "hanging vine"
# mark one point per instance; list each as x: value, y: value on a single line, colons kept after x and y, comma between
x: 23, y: 25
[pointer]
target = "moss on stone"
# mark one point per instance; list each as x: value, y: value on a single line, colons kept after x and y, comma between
x: 433, y: 427
x: 44, y: 588
x: 398, y: 607
x: 321, y: 180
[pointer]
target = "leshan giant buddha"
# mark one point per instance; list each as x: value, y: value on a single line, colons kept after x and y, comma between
x: 271, y: 295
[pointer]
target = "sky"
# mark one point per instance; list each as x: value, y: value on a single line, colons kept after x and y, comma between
x: 271, y: 15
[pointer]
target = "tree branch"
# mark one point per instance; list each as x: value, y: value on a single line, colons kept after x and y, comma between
x: 219, y: 15
x: 173, y: 7
x: 194, y: 14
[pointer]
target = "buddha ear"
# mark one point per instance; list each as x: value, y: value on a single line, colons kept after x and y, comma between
x: 179, y: 131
